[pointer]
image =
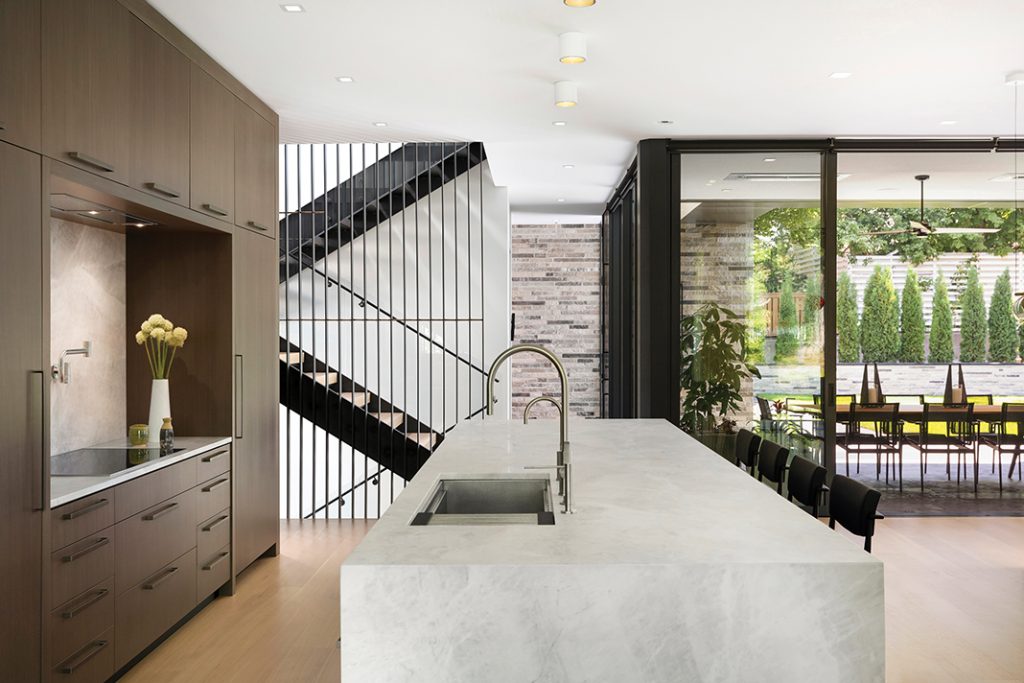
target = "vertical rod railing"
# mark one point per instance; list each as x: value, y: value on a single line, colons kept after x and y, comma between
x: 302, y: 347
x: 337, y: 309
x: 352, y: 316
x: 287, y: 335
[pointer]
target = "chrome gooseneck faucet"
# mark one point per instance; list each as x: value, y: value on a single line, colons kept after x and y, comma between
x: 62, y: 371
x: 564, y: 461
x: 541, y: 399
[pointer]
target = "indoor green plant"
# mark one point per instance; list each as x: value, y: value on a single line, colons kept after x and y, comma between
x: 713, y: 367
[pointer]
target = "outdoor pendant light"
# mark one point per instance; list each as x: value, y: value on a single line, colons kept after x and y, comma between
x: 566, y: 94
x: 572, y: 48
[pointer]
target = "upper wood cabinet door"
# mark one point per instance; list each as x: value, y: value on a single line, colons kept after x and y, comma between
x: 255, y: 172
x: 160, y: 111
x: 20, y: 64
x: 212, y: 154
x: 21, y: 411
x: 87, y: 50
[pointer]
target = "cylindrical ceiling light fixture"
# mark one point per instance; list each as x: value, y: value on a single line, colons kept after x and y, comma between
x: 572, y: 48
x: 566, y: 94
x: 580, y: 3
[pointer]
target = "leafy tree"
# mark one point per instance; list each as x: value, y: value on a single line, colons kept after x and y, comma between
x: 911, y: 321
x: 1002, y: 324
x: 847, y: 324
x: 880, y: 321
x: 973, y: 327
x: 940, y: 341
x: 786, y: 343
x: 812, y: 297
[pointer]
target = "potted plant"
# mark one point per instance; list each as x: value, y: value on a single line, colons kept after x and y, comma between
x: 712, y: 371
x: 161, y: 340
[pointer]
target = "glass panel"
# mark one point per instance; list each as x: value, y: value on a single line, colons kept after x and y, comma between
x: 751, y: 254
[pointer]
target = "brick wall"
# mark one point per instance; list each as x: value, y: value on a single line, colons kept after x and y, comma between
x: 556, y: 298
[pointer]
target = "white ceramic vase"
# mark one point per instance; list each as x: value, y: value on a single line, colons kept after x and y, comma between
x: 159, y: 408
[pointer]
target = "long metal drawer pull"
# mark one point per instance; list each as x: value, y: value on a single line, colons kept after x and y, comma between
x: 81, y: 512
x: 220, y: 558
x: 215, y: 523
x: 211, y: 458
x: 84, y: 604
x: 257, y: 226
x: 164, y: 190
x: 159, y: 513
x: 150, y: 585
x: 215, y: 485
x: 83, y: 656
x: 79, y: 554
x: 215, y: 209
x: 91, y: 161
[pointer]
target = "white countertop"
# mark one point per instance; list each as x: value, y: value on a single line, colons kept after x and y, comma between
x: 645, y: 493
x: 64, y: 490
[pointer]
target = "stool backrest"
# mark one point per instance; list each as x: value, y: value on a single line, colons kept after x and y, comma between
x: 771, y: 463
x: 806, y: 479
x: 747, y: 445
x: 853, y: 505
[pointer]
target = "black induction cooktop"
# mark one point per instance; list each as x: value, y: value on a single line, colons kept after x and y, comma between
x: 104, y: 462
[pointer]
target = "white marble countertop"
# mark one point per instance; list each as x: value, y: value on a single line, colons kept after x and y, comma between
x: 645, y: 493
x: 64, y: 490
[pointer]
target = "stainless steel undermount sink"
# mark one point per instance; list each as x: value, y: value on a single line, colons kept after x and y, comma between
x: 479, y: 500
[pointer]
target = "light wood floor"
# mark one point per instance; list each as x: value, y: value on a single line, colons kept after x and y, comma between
x: 954, y: 593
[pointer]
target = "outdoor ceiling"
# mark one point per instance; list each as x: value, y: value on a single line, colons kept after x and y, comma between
x: 471, y: 70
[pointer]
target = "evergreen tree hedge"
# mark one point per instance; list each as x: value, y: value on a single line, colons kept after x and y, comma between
x: 880, y: 321
x: 786, y: 344
x: 1002, y: 324
x: 812, y: 296
x: 973, y: 321
x: 911, y: 321
x: 940, y: 340
x: 847, y: 324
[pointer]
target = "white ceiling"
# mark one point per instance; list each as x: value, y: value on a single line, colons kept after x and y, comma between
x: 475, y: 70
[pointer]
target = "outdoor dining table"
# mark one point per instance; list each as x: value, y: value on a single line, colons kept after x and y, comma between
x: 908, y: 412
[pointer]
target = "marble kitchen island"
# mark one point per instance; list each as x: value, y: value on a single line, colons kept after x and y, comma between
x: 677, y: 566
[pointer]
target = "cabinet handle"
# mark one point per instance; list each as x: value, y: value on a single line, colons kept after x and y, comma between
x: 257, y: 226
x: 79, y: 554
x: 159, y: 513
x: 87, y: 602
x: 216, y: 523
x: 154, y: 583
x: 41, y: 478
x: 220, y: 558
x: 215, y: 209
x: 81, y: 512
x: 215, y: 485
x: 83, y: 656
x: 239, y: 394
x: 91, y: 161
x: 211, y: 458
x: 164, y: 190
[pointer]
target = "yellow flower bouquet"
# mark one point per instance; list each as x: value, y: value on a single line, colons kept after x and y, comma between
x: 161, y: 339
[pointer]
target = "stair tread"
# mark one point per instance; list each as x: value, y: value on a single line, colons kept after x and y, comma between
x: 292, y: 357
x: 392, y: 418
x: 425, y: 439
x: 321, y: 377
x: 358, y: 398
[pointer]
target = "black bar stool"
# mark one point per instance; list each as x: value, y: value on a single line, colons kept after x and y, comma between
x: 854, y: 506
x: 771, y: 463
x: 806, y: 482
x: 747, y: 445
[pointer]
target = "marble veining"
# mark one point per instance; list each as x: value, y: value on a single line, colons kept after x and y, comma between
x: 676, y: 566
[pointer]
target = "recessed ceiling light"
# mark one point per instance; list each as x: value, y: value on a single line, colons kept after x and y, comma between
x: 572, y: 48
x: 568, y: 167
x: 770, y: 159
x: 840, y: 74
x: 93, y: 213
x: 380, y: 124
x: 947, y: 123
x: 293, y: 9
x: 344, y: 79
x: 666, y: 121
x: 560, y: 200
x: 580, y: 3
x: 566, y: 94
x: 558, y: 123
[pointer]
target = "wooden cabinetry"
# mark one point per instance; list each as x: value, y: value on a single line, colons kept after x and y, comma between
x: 256, y: 467
x: 212, y: 145
x: 255, y: 172
x: 19, y: 72
x: 21, y: 412
x: 86, y: 68
x: 160, y: 116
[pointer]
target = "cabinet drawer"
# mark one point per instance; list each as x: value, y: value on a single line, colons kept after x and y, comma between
x: 151, y: 607
x: 213, y: 534
x: 144, y: 492
x: 80, y: 565
x: 154, y: 537
x: 213, y: 495
x: 81, y: 618
x: 76, y: 520
x: 212, y: 463
x: 92, y: 663
x: 213, y: 571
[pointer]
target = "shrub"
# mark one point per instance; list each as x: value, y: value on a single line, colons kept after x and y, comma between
x: 1002, y: 324
x: 812, y: 297
x: 880, y: 321
x: 973, y: 327
x: 911, y: 321
x: 847, y: 324
x: 940, y: 341
x: 786, y: 343
x: 1021, y: 331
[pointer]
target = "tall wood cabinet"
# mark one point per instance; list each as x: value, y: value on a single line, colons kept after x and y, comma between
x: 213, y: 114
x: 19, y: 72
x: 21, y: 412
x: 257, y: 465
x: 255, y: 170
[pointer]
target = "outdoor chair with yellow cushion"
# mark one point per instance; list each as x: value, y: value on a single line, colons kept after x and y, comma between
x: 1009, y: 439
x: 949, y: 430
